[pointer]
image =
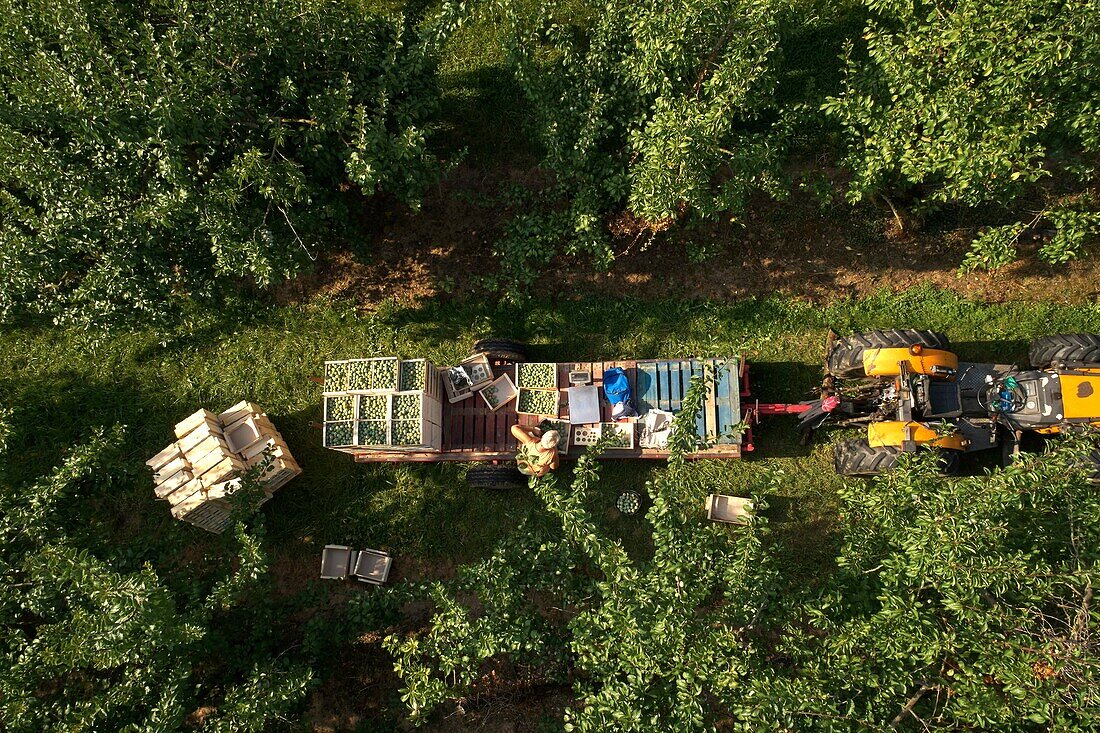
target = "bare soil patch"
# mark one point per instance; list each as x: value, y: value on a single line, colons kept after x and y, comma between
x: 793, y: 248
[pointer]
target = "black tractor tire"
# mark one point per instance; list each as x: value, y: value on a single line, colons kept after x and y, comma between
x: 495, y: 478
x: 1076, y: 347
x: 858, y: 458
x: 498, y: 349
x: 845, y: 357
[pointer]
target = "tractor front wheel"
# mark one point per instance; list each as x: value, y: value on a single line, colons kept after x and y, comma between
x: 858, y: 458
x: 845, y: 357
x: 1075, y: 347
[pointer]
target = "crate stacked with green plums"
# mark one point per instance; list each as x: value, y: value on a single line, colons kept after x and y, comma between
x: 382, y: 403
x: 537, y: 383
x: 415, y: 422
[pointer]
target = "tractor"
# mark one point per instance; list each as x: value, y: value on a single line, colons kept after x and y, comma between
x: 911, y: 392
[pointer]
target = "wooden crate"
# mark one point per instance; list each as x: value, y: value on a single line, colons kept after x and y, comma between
x: 585, y: 435
x: 625, y: 429
x: 502, y: 389
x: 237, y: 411
x: 430, y: 382
x: 479, y: 371
x: 329, y: 440
x: 554, y: 392
x: 333, y: 405
x: 243, y: 433
x: 195, y: 437
x: 431, y: 436
x: 168, y: 454
x: 193, y: 421
x: 368, y: 376
x: 550, y: 367
x: 213, y: 516
x: 209, y: 444
x: 226, y: 468
x: 169, y: 484
x: 200, y: 470
x: 186, y: 490
x: 372, y: 433
x: 178, y: 464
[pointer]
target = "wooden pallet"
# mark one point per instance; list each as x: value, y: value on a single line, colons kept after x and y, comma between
x: 472, y: 432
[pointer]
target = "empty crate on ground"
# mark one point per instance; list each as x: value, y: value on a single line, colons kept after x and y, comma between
x: 199, y: 471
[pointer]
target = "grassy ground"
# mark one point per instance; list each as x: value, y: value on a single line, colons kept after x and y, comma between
x: 62, y: 383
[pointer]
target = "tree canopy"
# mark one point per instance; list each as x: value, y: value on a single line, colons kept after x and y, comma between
x: 92, y: 642
x: 155, y: 152
x: 958, y: 604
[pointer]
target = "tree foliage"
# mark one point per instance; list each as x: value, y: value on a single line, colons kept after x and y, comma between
x: 957, y: 604
x: 646, y: 642
x: 685, y: 110
x: 89, y: 646
x: 672, y: 110
x: 960, y: 604
x: 154, y: 151
x: 977, y: 102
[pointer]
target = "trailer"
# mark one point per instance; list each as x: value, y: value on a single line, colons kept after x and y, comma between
x: 472, y: 421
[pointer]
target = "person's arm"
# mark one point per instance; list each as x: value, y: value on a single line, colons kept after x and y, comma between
x: 523, y: 435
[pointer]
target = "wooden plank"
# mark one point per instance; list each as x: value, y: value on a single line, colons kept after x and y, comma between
x: 631, y: 369
x: 735, y: 396
x: 725, y: 413
x: 696, y: 371
x: 664, y: 386
x: 453, y: 437
x: 499, y: 431
x: 676, y: 386
x: 510, y: 443
x: 647, y: 387
x: 467, y: 440
x: 711, y: 401
x: 487, y: 431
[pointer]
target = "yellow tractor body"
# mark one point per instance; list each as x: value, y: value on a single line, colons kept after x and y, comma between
x: 896, y: 433
x: 1081, y: 395
x: 887, y: 362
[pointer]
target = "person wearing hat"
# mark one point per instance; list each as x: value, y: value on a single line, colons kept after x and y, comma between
x: 538, y: 451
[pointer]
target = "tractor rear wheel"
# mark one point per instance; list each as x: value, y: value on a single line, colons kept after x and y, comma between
x: 496, y: 478
x: 858, y: 458
x: 1078, y: 347
x: 845, y: 357
x: 498, y: 349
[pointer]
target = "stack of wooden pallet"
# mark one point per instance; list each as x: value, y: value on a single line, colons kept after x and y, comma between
x: 212, y: 452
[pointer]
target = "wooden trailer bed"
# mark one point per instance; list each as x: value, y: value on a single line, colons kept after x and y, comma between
x: 473, y: 432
